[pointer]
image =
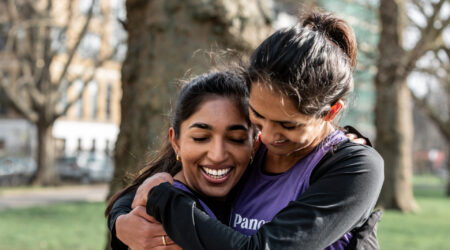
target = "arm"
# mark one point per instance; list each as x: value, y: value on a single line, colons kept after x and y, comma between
x: 122, y: 206
x: 134, y: 227
x: 343, y: 192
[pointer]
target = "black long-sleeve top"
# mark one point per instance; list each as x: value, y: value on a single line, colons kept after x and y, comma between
x: 344, y: 188
x: 221, y: 210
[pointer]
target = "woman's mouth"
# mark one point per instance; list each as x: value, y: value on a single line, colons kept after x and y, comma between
x: 216, y: 175
x: 279, y: 142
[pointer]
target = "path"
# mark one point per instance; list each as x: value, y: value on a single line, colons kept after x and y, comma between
x: 18, y: 198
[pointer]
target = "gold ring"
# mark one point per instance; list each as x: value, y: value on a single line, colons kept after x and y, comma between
x: 164, y: 240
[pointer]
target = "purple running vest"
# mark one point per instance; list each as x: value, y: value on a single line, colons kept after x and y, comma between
x: 183, y: 187
x: 263, y: 196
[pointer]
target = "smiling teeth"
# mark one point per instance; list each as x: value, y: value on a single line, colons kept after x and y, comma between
x: 279, y: 141
x: 217, y: 173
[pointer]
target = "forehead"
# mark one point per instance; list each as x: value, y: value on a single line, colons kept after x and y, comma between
x: 217, y: 112
x: 273, y: 105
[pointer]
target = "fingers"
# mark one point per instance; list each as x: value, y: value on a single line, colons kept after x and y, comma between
x: 351, y: 136
x: 142, y: 212
x: 360, y: 141
x: 140, y: 198
x: 157, y: 179
x: 136, y: 231
x: 354, y: 138
x: 169, y: 241
x: 171, y: 247
x: 163, y: 242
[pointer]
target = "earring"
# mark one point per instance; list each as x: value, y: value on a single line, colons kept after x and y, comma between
x: 251, y: 160
x: 178, y: 157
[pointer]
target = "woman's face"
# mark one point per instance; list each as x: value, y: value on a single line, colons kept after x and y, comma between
x: 284, y: 130
x: 215, y: 146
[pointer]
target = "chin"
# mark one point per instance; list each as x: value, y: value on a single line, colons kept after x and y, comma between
x: 217, y: 194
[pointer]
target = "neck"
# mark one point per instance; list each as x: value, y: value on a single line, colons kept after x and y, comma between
x: 282, y: 163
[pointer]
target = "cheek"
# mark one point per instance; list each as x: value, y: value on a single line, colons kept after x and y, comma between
x: 242, y: 156
x: 304, y: 135
x: 300, y: 136
x: 190, y: 156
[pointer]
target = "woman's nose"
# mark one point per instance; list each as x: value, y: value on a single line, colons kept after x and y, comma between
x: 218, y: 153
x: 268, y: 132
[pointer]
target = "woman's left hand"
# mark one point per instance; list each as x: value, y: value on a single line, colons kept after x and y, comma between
x: 354, y: 138
x: 140, y: 199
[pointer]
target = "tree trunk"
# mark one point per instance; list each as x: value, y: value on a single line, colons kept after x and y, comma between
x: 393, y: 112
x: 162, y: 39
x: 46, y: 171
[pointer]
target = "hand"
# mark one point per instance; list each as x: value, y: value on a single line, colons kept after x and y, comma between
x: 354, y: 138
x: 140, y: 199
x: 139, y: 231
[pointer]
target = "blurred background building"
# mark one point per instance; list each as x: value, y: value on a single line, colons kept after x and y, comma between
x: 91, y: 123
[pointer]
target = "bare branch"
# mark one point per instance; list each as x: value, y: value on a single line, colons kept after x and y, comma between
x: 99, y: 62
x: 29, y: 82
x: 77, y: 43
x: 444, y: 126
x: 17, y: 103
x: 419, y: 5
x: 430, y: 39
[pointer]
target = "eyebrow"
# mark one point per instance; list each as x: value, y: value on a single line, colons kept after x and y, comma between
x: 209, y: 127
x: 201, y: 125
x: 255, y: 112
x: 281, y: 122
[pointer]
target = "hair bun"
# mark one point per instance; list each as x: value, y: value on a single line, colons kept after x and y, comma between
x: 335, y: 29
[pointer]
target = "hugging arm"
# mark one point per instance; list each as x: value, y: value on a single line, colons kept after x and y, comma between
x: 343, y: 191
x: 122, y: 206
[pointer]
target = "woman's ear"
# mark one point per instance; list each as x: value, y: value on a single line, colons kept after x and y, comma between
x: 334, y: 111
x: 173, y: 140
x: 256, y: 143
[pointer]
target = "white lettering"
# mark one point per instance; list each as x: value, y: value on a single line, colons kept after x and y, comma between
x: 261, y: 222
x: 253, y: 224
x: 246, y: 223
x: 237, y: 220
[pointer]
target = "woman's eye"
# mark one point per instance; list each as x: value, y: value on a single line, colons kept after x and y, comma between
x: 289, y: 126
x: 239, y: 141
x: 199, y: 139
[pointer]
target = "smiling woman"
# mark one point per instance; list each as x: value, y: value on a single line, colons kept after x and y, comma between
x: 214, y: 147
x: 209, y: 146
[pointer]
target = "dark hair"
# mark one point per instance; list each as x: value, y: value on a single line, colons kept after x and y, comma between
x: 192, y: 95
x: 311, y: 63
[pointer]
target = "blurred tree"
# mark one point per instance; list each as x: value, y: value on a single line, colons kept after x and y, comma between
x: 397, y: 60
x: 37, y: 37
x: 163, y: 37
x: 436, y: 102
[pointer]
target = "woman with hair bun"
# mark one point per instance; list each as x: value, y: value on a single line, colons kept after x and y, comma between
x: 309, y: 187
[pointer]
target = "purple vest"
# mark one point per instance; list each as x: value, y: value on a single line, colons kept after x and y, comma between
x: 263, y: 196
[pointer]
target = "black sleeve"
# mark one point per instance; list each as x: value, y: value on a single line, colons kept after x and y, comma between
x: 343, y: 191
x: 121, y: 206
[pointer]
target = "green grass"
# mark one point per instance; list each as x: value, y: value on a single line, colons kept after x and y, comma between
x: 82, y: 225
x: 429, y: 228
x: 62, y: 226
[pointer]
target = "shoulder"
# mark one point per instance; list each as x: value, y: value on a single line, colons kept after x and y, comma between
x: 351, y: 158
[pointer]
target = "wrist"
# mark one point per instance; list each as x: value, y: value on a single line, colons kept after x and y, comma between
x: 117, y: 226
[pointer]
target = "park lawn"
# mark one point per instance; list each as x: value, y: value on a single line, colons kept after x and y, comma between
x: 82, y: 225
x: 429, y: 228
x: 62, y: 226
